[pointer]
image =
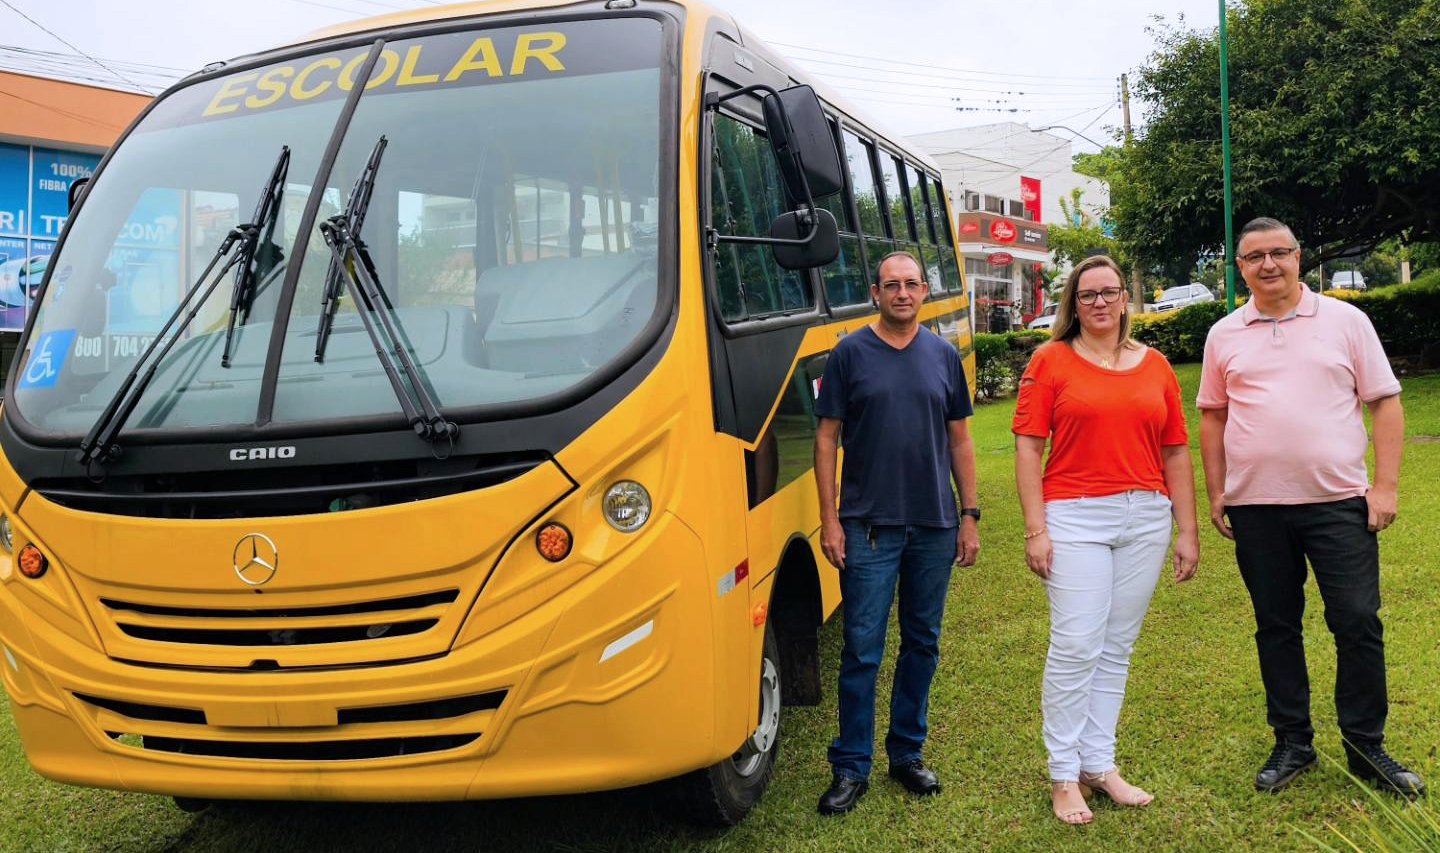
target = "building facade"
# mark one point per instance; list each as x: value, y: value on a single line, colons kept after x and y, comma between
x: 52, y: 132
x: 1006, y: 182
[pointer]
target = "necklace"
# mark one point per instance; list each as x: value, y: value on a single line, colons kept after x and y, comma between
x: 1104, y: 359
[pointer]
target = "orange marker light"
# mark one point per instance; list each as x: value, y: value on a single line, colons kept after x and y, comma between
x: 759, y: 614
x: 553, y: 542
x: 32, y: 563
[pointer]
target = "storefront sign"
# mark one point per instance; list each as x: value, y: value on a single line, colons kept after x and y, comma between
x: 1000, y: 259
x: 980, y: 227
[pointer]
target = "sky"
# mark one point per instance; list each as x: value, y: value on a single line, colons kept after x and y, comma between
x: 1054, y: 63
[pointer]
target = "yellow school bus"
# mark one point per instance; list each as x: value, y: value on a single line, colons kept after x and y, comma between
x: 423, y: 412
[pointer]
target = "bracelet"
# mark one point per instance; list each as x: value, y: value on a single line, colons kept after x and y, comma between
x: 1032, y: 534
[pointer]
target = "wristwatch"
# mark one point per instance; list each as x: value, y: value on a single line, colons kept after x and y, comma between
x: 973, y: 512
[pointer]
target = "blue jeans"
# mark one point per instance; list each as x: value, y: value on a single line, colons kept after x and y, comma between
x: 876, y: 559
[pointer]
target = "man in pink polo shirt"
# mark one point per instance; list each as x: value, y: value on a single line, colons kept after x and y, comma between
x: 1283, y: 439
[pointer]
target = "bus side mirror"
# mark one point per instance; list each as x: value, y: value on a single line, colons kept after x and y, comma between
x: 804, y: 146
x: 77, y: 189
x: 797, y: 252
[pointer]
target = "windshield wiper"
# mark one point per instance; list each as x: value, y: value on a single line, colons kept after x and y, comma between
x: 356, y: 271
x: 99, y: 443
x: 354, y: 214
x: 242, y: 293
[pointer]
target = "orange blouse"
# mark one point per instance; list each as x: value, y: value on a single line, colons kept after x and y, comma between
x: 1106, y: 427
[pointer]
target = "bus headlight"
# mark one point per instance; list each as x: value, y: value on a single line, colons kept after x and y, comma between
x: 7, y: 536
x: 627, y: 506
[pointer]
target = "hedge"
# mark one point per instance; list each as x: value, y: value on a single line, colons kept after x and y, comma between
x: 1000, y: 359
x: 1406, y: 316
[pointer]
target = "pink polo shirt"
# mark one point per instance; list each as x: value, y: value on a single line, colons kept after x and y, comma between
x: 1294, y: 387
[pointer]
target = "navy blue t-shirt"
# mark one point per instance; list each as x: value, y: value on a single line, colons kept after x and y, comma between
x: 895, y: 406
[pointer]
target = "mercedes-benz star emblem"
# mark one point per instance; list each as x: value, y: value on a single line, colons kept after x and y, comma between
x: 256, y: 559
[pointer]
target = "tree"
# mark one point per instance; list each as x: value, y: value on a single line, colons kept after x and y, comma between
x: 1334, y: 130
x: 1081, y: 235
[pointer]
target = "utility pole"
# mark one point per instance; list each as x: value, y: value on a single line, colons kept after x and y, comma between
x: 1137, y: 299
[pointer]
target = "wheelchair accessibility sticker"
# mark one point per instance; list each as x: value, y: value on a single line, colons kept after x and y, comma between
x: 46, y: 359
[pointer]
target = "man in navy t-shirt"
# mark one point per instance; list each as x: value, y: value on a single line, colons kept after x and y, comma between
x: 895, y: 392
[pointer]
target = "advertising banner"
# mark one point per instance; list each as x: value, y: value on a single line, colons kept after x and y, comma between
x: 1030, y: 196
x: 34, y: 203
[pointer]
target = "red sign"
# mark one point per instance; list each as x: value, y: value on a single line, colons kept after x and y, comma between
x: 969, y: 228
x: 1002, y: 231
x: 1030, y: 195
x: 1000, y: 259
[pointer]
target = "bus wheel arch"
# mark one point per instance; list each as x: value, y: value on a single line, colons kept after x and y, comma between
x: 722, y: 794
x: 796, y: 610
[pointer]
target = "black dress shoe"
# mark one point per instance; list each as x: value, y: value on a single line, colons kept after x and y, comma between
x: 1287, y: 760
x: 844, y: 793
x: 916, y: 777
x: 1374, y: 764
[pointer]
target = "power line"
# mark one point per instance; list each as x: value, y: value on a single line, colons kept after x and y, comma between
x: 53, y: 35
x: 31, y: 51
x: 806, y: 59
x: 950, y: 87
x: 950, y: 68
x: 55, y: 109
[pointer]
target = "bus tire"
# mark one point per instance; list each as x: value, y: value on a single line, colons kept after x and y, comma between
x: 723, y: 793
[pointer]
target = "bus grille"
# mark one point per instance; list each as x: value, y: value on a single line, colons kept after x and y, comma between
x: 320, y: 750
x: 281, y: 626
x: 371, y: 732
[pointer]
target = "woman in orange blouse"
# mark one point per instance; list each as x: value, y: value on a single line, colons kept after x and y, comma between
x: 1098, y: 521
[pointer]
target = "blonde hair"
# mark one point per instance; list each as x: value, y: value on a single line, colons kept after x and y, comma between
x: 1067, y: 317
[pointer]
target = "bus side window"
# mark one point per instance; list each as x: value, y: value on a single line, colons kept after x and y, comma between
x: 747, y: 192
x: 846, y: 282
x: 859, y: 159
x: 944, y: 236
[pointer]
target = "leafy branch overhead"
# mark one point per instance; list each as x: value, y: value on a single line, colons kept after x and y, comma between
x: 1335, y: 129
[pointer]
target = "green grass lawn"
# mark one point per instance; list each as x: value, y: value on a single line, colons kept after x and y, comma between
x: 1193, y: 731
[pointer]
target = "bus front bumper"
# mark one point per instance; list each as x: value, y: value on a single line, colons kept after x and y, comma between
x: 608, y: 684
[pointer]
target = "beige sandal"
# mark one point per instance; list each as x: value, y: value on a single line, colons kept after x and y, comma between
x: 1071, y: 817
x: 1136, y: 797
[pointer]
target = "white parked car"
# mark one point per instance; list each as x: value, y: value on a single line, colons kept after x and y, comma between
x: 1046, y: 317
x: 1347, y: 280
x: 1182, y: 297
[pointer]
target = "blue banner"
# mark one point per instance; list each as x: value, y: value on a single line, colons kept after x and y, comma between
x: 54, y: 172
x: 34, y: 203
x: 14, y: 189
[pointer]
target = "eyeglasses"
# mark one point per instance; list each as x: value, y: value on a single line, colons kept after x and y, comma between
x: 1277, y: 255
x: 911, y: 285
x: 1087, y: 297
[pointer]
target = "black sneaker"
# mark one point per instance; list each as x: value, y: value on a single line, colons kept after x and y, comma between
x: 1287, y: 760
x: 842, y: 796
x: 1373, y: 764
x: 916, y: 777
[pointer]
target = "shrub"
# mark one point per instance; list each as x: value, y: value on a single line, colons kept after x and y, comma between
x: 1000, y: 359
x: 1406, y: 317
x: 1180, y: 335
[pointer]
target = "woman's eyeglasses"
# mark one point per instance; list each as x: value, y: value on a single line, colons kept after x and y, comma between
x: 1087, y: 297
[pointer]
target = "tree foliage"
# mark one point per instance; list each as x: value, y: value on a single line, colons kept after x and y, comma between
x: 1080, y: 235
x: 1335, y: 129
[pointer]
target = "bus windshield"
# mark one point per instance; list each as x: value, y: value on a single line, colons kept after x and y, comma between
x: 513, y: 226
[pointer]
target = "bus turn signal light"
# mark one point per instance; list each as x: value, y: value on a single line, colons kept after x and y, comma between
x: 553, y: 542
x: 32, y: 563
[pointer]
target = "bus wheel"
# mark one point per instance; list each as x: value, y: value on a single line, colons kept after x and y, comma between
x: 722, y: 794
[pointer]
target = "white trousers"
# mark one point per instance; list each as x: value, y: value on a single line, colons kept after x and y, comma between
x: 1108, y: 555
